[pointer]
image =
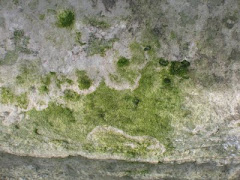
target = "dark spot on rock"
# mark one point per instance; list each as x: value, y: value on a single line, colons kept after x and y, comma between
x: 136, y: 101
x: 229, y: 21
x: 167, y: 81
x: 163, y: 62
x: 235, y: 55
x: 147, y: 48
x: 109, y: 4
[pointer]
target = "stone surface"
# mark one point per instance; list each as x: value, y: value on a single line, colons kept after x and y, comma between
x: 63, y: 92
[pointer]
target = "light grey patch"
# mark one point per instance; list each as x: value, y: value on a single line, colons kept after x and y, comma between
x: 109, y: 4
x: 33, y: 4
x: 194, y: 3
x: 187, y: 19
x: 229, y: 21
x: 235, y: 55
x: 9, y: 59
x: 214, y: 3
x: 94, y: 3
x: 2, y: 22
x: 236, y: 36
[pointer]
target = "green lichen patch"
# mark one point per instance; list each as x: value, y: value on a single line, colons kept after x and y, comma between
x: 99, y: 46
x: 98, y: 23
x: 84, y: 82
x: 9, y: 97
x: 65, y: 18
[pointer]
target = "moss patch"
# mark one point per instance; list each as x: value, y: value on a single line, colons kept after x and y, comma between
x: 99, y: 46
x: 112, y: 141
x: 179, y: 68
x: 146, y: 111
x: 8, y: 97
x: 10, y: 58
x: 93, y: 21
x: 65, y: 18
x: 84, y: 82
x: 122, y: 62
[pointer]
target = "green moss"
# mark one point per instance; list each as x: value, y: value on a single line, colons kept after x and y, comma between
x: 22, y: 100
x: 65, y: 18
x: 115, y: 143
x: 43, y: 89
x: 21, y: 41
x: 99, y: 46
x: 93, y: 21
x: 137, y: 52
x: 18, y: 35
x: 84, y: 82
x: 16, y: 2
x: 78, y: 38
x: 150, y: 39
x: 55, y: 118
x: 173, y: 35
x: 71, y: 95
x: 8, y: 97
x: 163, y: 62
x: 148, y: 110
x: 28, y: 73
x: 147, y: 48
x: 122, y: 62
x: 46, y: 80
x: 149, y: 114
x: 42, y: 16
x: 179, y: 68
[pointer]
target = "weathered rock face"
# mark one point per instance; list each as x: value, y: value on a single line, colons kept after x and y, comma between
x: 150, y: 81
